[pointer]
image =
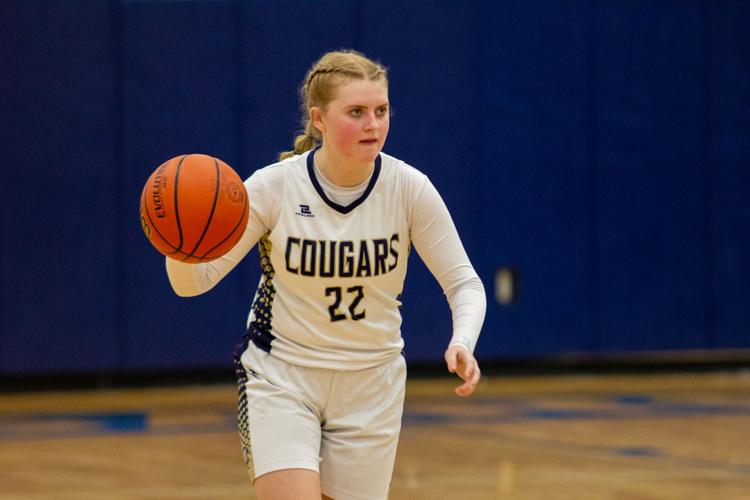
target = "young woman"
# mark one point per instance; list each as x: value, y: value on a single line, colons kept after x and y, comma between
x: 321, y: 372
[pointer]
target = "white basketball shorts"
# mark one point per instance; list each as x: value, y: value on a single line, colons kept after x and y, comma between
x: 342, y: 424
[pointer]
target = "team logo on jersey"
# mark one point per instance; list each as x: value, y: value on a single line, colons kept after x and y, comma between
x: 304, y: 211
x: 342, y: 259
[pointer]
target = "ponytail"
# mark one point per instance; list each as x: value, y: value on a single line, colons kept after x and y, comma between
x: 303, y: 142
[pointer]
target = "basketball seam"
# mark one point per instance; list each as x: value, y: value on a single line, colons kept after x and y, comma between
x: 242, y: 216
x: 213, y: 210
x: 176, y: 205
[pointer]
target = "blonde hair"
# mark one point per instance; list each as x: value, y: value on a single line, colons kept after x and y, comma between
x: 319, y: 87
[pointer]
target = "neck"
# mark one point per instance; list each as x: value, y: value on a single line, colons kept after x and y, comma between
x: 342, y: 173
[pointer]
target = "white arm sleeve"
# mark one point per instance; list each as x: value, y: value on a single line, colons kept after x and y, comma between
x: 264, y: 191
x: 436, y: 240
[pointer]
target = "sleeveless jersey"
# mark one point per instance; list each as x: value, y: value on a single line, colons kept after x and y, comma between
x: 332, y: 275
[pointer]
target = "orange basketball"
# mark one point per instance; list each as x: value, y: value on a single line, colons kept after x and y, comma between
x: 194, y: 208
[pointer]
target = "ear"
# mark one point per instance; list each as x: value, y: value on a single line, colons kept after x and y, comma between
x: 316, y: 119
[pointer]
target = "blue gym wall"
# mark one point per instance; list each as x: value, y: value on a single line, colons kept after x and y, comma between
x: 601, y: 148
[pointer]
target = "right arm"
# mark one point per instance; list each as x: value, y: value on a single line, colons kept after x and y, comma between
x: 436, y: 240
x: 188, y: 280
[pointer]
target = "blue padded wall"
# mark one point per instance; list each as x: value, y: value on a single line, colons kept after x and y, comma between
x: 180, y: 92
x: 536, y: 181
x: 651, y: 182
x: 729, y: 128
x: 280, y: 42
x: 600, y: 148
x: 58, y: 294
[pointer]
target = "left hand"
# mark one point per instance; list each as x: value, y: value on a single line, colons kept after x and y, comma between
x: 463, y: 363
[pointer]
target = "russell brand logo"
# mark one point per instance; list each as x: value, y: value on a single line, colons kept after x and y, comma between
x: 304, y: 211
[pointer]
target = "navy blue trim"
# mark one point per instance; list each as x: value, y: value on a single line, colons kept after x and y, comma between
x: 239, y: 370
x: 331, y: 203
x: 260, y: 338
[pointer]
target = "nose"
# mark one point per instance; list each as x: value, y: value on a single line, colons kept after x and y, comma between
x: 371, y: 123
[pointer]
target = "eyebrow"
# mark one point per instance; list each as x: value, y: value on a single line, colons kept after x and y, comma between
x: 352, y: 106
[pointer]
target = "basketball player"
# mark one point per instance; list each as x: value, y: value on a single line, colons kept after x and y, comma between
x: 321, y: 372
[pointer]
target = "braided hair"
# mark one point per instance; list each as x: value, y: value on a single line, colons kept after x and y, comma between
x: 330, y: 72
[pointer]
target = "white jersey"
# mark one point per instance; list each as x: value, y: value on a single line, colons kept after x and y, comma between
x: 332, y: 275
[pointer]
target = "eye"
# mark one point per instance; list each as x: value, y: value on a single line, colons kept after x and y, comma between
x: 356, y: 112
x: 383, y: 111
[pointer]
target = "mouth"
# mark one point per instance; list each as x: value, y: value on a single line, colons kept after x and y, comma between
x: 369, y: 142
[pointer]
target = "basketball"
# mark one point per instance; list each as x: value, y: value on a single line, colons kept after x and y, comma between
x: 194, y: 208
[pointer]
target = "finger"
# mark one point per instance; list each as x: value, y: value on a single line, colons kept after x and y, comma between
x: 465, y: 389
x: 468, y: 372
x: 460, y: 356
x: 470, y: 384
x: 477, y: 375
x: 466, y: 365
x: 451, y: 361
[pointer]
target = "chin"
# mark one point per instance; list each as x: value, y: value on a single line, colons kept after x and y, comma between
x: 371, y: 157
x: 371, y: 150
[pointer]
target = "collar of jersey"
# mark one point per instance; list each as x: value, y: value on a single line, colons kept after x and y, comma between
x: 340, y: 208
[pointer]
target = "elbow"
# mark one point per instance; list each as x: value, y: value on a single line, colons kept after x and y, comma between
x: 186, y: 293
x: 183, y: 279
x: 471, y: 285
x: 183, y: 288
x: 476, y: 283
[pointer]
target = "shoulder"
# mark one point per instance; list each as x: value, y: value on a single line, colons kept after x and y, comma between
x: 273, y: 175
x: 404, y: 179
x: 392, y: 166
x: 407, y: 179
x: 265, y: 188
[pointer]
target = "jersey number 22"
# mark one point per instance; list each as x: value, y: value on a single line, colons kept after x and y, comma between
x: 337, y: 293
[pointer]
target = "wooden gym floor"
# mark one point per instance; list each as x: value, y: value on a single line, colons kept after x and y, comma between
x: 674, y: 436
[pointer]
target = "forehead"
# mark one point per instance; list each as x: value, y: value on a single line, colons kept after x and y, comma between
x: 362, y: 93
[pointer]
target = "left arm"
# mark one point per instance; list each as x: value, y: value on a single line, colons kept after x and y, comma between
x: 436, y: 240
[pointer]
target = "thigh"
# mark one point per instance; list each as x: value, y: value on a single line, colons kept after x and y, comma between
x: 288, y: 484
x: 279, y: 426
x: 360, y: 434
